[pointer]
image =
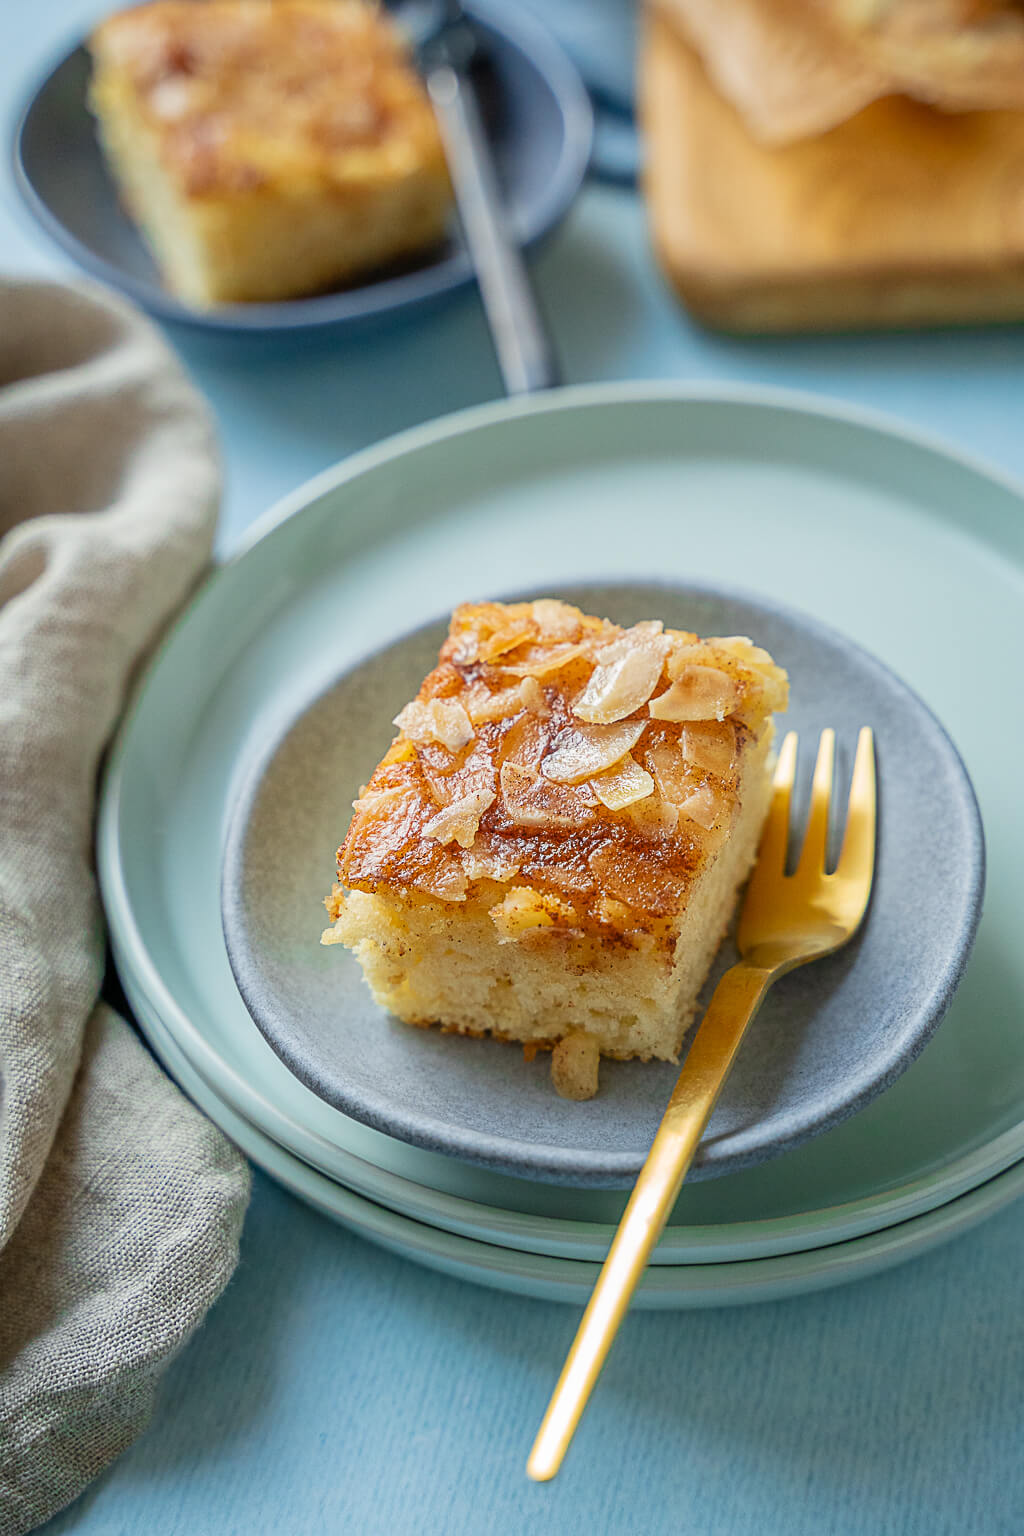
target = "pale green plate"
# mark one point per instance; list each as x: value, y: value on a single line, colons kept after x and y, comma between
x: 914, y: 553
x: 668, y: 1286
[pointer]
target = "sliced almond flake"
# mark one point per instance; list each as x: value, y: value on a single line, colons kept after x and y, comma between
x: 465, y: 649
x: 441, y: 786
x: 531, y: 801
x: 460, y: 821
x: 532, y: 695
x: 654, y: 817
x: 556, y: 620
x: 743, y: 649
x: 667, y: 763
x: 482, y: 863
x: 400, y: 751
x: 547, y: 660
x: 441, y: 720
x: 686, y: 654
x: 372, y: 802
x: 699, y: 693
x: 710, y: 746
x: 584, y: 750
x: 524, y: 910
x: 770, y: 679
x: 445, y: 879
x: 703, y: 806
x: 525, y: 742
x: 619, y: 688
x: 517, y: 632
x: 622, y: 785
x: 646, y: 635
x: 615, y: 913
x: 483, y: 705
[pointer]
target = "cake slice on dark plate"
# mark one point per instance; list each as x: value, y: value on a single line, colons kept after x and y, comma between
x: 268, y: 150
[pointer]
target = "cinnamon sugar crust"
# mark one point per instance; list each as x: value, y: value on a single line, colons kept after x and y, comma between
x: 510, y: 799
x: 271, y: 95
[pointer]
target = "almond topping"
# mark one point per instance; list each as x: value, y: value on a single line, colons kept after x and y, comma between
x: 557, y: 621
x: 517, y: 632
x: 543, y: 660
x: 525, y: 741
x: 686, y: 653
x: 637, y: 879
x: 444, y: 879
x: 525, y: 909
x: 531, y: 801
x: 585, y: 750
x: 703, y: 806
x: 483, y: 705
x: 371, y: 802
x: 699, y: 693
x: 460, y: 821
x: 711, y: 747
x: 617, y: 688
x: 443, y: 720
x: 532, y: 695
x: 644, y: 636
x: 654, y: 817
x: 481, y: 863
x: 615, y: 913
x: 622, y: 785
x: 668, y: 765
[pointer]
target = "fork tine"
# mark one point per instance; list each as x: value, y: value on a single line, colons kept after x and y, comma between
x: 812, y: 854
x: 857, y: 856
x: 775, y: 837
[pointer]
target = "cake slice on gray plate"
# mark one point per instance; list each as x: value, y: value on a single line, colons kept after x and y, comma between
x: 551, y: 850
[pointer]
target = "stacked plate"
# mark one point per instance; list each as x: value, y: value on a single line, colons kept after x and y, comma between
x: 909, y: 551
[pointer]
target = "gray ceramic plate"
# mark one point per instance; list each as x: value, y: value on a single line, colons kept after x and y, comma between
x: 830, y: 1038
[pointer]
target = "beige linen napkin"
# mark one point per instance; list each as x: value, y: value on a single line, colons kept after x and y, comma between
x: 120, y: 1205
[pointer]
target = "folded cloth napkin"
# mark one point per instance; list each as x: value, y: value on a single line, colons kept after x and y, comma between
x: 120, y: 1204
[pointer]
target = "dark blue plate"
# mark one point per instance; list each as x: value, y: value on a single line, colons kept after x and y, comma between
x: 539, y: 121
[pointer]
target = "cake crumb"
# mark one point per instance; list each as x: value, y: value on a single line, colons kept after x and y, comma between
x: 575, y: 1064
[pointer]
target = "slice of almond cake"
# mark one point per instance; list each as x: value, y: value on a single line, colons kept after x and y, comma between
x: 552, y: 848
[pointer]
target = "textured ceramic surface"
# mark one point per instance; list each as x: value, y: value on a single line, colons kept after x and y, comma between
x: 539, y: 120
x: 665, y: 1287
x: 808, y: 499
x: 828, y: 1038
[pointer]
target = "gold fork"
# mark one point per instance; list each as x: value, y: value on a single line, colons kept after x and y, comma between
x: 786, y: 920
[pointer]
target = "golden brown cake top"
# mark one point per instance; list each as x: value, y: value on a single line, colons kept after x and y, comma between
x: 551, y: 750
x: 247, y: 95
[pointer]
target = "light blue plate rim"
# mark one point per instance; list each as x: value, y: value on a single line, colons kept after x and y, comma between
x: 372, y: 301
x: 557, y: 1237
x: 663, y: 1286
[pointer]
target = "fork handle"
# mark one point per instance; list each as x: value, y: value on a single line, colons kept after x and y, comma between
x: 734, y: 1003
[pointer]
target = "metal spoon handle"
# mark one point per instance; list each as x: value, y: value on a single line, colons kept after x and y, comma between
x: 525, y: 355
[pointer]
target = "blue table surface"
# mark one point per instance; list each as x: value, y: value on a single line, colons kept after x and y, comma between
x: 336, y: 1388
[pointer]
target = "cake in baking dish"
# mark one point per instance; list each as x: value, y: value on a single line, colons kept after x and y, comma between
x: 551, y: 849
x: 267, y: 149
